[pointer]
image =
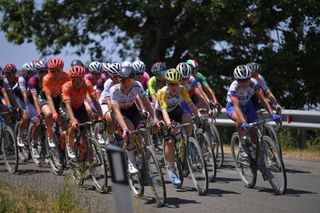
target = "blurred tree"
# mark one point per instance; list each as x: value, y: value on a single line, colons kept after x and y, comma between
x: 282, y: 35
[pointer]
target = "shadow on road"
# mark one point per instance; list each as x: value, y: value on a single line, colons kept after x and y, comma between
x: 174, y: 202
x: 225, y: 180
x: 219, y: 193
x: 31, y: 171
x: 293, y: 171
x: 289, y: 192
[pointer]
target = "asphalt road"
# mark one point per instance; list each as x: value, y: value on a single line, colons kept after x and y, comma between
x: 226, y: 194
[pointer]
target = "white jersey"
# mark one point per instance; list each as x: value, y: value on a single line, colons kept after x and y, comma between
x: 126, y: 100
x: 22, y: 83
x: 106, y: 91
x: 244, y: 95
x: 262, y: 83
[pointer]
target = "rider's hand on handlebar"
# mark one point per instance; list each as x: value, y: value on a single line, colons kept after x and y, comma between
x: 55, y: 116
x: 171, y: 129
x: 74, y: 123
x: 125, y: 135
x: 278, y: 109
x: 244, y: 125
x: 275, y: 117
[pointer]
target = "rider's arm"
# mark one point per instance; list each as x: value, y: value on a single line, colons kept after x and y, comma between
x: 152, y: 90
x: 48, y: 95
x: 188, y: 100
x: 162, y: 99
x: 210, y: 93
x: 69, y: 110
x: 23, y: 89
x: 264, y: 101
x: 118, y: 115
x: 91, y: 99
x: 5, y: 96
x: 147, y: 104
x: 35, y: 100
x: 237, y: 109
x: 271, y: 97
x: 204, y: 102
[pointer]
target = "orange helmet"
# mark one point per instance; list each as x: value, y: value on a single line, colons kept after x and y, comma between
x: 77, y: 72
x: 55, y: 63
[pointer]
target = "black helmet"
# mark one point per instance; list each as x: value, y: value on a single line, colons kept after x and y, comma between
x: 76, y: 63
x: 127, y: 70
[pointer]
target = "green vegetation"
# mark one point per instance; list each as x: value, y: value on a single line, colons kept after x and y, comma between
x: 283, y: 36
x: 21, y: 199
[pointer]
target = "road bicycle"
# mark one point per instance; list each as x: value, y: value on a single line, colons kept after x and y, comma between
x: 268, y: 158
x: 9, y: 145
x: 89, y: 157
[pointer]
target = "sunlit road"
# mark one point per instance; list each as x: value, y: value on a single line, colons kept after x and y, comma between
x: 226, y: 194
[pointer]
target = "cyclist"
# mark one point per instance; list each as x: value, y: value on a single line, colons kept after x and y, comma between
x: 168, y: 108
x: 28, y: 70
x: 93, y: 76
x: 50, y: 97
x: 113, y: 70
x: 123, y: 98
x: 35, y: 86
x: 192, y: 86
x: 141, y: 75
x: 74, y: 92
x: 10, y: 83
x: 239, y: 106
x: 4, y: 102
x: 204, y: 86
x: 255, y: 70
x: 156, y: 82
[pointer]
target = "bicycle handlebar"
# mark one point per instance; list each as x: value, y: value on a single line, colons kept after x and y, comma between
x: 89, y: 123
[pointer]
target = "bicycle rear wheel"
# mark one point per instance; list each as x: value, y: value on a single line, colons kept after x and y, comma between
x: 217, y: 145
x: 23, y: 151
x: 156, y: 177
x: 275, y: 170
x: 10, y: 149
x: 34, y: 147
x: 97, y: 166
x: 197, y: 166
x: 208, y: 153
x: 247, y: 173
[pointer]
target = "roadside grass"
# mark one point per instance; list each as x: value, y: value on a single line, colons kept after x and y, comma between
x: 25, y: 199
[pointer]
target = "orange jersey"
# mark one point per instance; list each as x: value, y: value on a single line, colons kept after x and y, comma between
x: 76, y: 96
x: 52, y: 85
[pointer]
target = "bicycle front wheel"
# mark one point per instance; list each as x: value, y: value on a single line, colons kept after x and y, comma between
x: 208, y: 153
x: 55, y: 156
x: 156, y: 177
x: 275, y: 170
x: 23, y: 151
x: 10, y: 149
x: 97, y: 166
x: 197, y: 166
x: 217, y: 145
x: 247, y: 173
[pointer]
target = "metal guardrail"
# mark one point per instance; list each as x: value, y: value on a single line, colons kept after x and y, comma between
x: 298, y: 119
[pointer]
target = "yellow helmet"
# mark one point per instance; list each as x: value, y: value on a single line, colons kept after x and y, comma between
x: 173, y: 76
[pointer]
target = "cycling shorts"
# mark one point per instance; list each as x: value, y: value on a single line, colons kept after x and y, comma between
x: 185, y: 107
x: 248, y: 110
x: 175, y: 114
x: 133, y: 114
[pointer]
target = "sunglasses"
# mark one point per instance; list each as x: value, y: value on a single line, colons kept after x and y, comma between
x: 173, y: 84
x: 243, y: 80
x: 128, y: 80
x: 139, y: 73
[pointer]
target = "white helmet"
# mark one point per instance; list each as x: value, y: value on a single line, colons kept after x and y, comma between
x: 241, y: 72
x: 104, y: 66
x: 29, y: 67
x: 139, y: 66
x: 95, y: 67
x: 113, y: 68
x: 185, y: 69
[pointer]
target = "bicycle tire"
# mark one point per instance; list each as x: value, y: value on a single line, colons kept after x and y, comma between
x: 218, y: 146
x: 270, y: 131
x: 22, y: 151
x: 195, y: 159
x: 36, y: 161
x: 136, y: 183
x: 100, y: 180
x: 275, y: 169
x: 9, y: 149
x: 55, y: 156
x: 157, y: 184
x: 208, y: 153
x: 249, y: 178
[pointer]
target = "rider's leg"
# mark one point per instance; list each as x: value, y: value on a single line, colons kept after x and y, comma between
x: 45, y: 109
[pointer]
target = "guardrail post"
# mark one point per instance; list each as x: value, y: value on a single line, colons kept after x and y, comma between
x: 116, y: 156
x: 302, y: 141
